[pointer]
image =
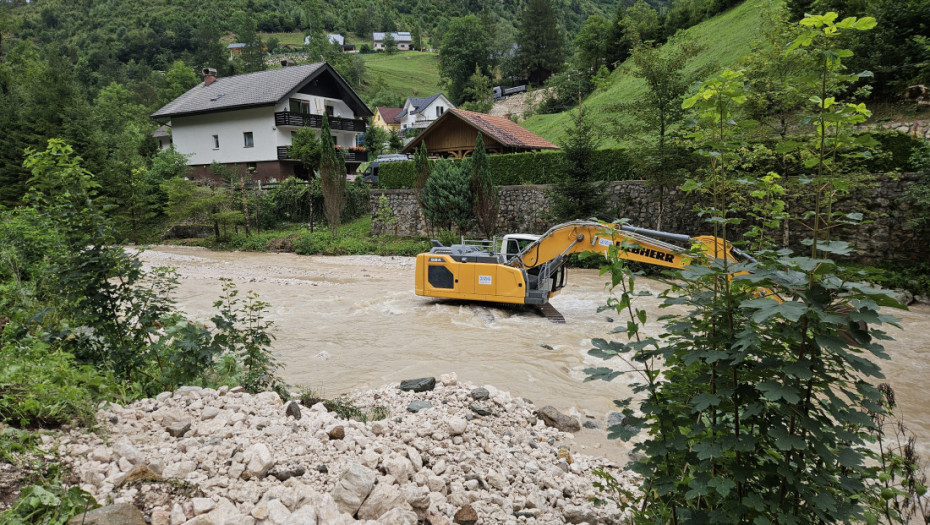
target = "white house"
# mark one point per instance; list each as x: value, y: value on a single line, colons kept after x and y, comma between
x: 402, y: 38
x: 248, y: 121
x: 420, y: 112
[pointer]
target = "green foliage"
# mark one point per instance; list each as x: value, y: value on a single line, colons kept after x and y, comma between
x: 385, y: 215
x: 332, y: 178
x: 42, y: 387
x: 486, y: 205
x: 479, y: 93
x: 465, y: 46
x: 347, y: 409
x: 579, y: 194
x: 355, y: 238
x: 243, y: 330
x: 764, y: 409
x: 307, y: 148
x: 447, y: 197
x: 540, y: 45
x: 545, y: 167
x: 50, y: 502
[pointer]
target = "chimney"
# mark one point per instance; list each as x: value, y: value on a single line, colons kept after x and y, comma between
x: 209, y: 75
x: 287, y: 62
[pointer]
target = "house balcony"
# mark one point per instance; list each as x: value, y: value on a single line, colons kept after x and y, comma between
x: 351, y: 156
x: 286, y: 118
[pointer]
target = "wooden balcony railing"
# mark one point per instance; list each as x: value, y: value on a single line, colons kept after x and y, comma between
x: 351, y: 156
x: 286, y: 118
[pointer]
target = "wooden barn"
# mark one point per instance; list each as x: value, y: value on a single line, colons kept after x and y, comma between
x: 454, y: 134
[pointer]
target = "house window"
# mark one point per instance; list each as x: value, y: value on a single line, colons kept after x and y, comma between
x: 329, y: 110
x: 248, y: 140
x: 439, y: 110
x: 335, y: 142
x: 216, y: 142
x: 298, y: 105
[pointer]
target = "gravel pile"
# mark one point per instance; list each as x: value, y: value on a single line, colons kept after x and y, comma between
x: 446, y: 453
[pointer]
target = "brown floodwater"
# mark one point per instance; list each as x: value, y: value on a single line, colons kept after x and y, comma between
x: 349, y: 323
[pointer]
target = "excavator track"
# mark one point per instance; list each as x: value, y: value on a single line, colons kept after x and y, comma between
x: 549, y: 312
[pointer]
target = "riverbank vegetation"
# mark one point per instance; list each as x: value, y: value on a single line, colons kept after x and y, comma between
x: 761, y: 405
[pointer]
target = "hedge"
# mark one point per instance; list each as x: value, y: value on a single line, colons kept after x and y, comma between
x: 544, y: 167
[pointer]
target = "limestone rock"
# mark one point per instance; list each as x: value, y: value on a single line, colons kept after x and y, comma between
x: 353, y: 487
x: 179, y: 429
x: 258, y: 461
x: 383, y: 498
x: 456, y: 425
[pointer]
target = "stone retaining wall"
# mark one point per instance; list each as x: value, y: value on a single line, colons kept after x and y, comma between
x: 887, y: 234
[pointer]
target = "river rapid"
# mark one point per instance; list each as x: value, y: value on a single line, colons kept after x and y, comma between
x: 348, y: 323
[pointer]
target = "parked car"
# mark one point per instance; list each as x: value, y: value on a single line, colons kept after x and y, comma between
x: 370, y: 175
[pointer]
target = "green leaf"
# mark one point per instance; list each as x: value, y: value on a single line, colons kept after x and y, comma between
x: 774, y: 390
x: 702, y: 401
x: 722, y: 485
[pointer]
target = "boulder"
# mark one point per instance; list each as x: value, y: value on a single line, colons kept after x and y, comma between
x: 466, y: 516
x: 292, y: 410
x: 383, y: 498
x: 258, y: 461
x: 555, y: 419
x: 353, y: 487
x: 480, y: 394
x: 423, y: 384
x: 179, y: 429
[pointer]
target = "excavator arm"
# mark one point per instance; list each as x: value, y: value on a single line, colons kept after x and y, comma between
x: 538, y: 273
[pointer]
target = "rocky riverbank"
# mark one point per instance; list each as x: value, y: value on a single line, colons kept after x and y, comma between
x: 452, y: 453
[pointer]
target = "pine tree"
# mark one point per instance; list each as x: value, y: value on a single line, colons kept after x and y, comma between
x: 541, y: 49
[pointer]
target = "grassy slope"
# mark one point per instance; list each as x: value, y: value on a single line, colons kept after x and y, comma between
x: 409, y: 74
x: 727, y: 37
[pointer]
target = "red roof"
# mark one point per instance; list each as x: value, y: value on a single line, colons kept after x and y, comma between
x: 504, y: 130
x: 388, y: 114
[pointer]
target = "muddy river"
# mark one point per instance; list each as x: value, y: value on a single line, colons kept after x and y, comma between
x: 349, y: 323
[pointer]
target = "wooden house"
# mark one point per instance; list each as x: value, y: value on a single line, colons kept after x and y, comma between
x: 454, y: 134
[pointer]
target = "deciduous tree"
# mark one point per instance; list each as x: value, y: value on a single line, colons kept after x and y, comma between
x: 465, y: 46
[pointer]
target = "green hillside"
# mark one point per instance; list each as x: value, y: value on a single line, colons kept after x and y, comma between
x: 411, y: 74
x: 726, y: 37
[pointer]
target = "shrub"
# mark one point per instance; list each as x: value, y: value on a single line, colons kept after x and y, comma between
x: 447, y: 197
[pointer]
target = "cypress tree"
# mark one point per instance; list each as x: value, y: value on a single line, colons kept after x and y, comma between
x: 332, y: 178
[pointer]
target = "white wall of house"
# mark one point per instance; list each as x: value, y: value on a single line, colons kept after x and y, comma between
x: 193, y: 135
x: 423, y: 118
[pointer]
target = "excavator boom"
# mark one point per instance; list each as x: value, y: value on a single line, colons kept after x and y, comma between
x: 533, y: 276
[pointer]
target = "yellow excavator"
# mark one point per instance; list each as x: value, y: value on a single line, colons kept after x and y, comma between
x: 530, y: 269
